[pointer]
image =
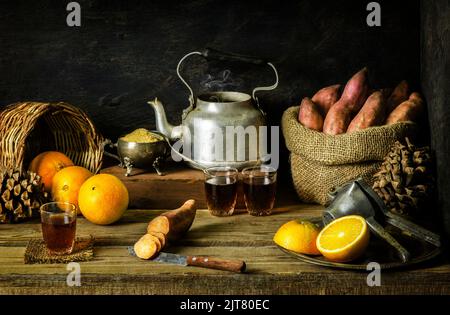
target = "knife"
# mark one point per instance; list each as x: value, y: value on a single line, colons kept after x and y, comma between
x: 198, y: 261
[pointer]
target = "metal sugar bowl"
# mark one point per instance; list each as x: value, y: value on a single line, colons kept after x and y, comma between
x: 212, y: 123
x: 140, y: 154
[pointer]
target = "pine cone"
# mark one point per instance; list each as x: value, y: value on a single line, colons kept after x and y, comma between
x: 405, y: 180
x: 21, y: 195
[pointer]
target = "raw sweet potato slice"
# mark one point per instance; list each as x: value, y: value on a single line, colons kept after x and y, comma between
x: 159, y: 224
x: 160, y: 236
x: 156, y: 240
x: 174, y: 223
x: 145, y: 247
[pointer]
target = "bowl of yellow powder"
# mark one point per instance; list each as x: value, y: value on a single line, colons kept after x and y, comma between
x: 141, y: 148
x: 142, y: 135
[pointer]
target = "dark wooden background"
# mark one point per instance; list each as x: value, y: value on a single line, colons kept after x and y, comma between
x: 125, y: 52
x: 436, y: 88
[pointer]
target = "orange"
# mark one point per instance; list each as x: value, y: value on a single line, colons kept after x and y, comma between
x: 344, y: 239
x: 103, y: 199
x: 67, y: 183
x: 47, y: 164
x: 298, y: 236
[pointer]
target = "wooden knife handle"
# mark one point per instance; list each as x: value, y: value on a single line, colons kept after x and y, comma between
x: 216, y: 263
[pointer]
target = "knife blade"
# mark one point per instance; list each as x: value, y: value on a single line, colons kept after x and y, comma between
x: 198, y: 261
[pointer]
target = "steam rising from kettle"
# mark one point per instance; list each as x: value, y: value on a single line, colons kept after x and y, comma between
x: 221, y: 82
x: 212, y: 115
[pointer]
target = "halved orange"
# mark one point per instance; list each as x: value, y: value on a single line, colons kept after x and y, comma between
x: 344, y: 239
x: 298, y: 236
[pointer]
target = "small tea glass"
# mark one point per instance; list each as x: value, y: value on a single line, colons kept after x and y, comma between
x: 259, y: 183
x: 58, y: 221
x: 221, y: 190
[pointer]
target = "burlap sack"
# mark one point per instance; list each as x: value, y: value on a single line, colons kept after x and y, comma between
x: 320, y: 162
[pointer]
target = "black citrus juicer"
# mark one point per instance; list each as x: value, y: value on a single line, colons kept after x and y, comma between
x: 358, y: 198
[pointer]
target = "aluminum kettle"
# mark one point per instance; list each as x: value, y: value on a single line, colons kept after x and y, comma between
x: 219, y: 128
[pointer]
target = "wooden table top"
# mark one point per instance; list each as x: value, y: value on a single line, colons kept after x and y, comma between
x: 269, y: 271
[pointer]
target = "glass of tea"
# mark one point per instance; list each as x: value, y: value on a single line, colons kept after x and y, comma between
x: 59, y: 221
x: 259, y: 183
x: 221, y: 190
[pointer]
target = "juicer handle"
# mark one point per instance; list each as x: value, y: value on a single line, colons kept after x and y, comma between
x: 214, y: 54
x: 379, y: 230
x: 400, y: 222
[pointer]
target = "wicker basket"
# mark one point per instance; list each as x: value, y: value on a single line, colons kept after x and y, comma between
x: 28, y: 128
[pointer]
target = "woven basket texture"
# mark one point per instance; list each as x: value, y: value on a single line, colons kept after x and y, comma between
x: 28, y: 128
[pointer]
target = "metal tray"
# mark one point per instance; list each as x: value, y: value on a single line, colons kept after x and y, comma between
x: 378, y: 251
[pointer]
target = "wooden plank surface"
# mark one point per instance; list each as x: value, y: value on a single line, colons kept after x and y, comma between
x: 148, y: 190
x: 241, y: 236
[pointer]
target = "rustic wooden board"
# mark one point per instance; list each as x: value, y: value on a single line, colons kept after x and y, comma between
x: 435, y: 62
x: 118, y: 60
x: 148, y: 190
x: 270, y: 271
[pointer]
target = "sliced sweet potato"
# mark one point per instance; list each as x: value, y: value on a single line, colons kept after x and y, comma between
x: 309, y: 115
x: 146, y: 247
x: 160, y: 236
x: 373, y: 113
x: 326, y: 97
x: 174, y: 223
x: 409, y: 110
x: 156, y: 240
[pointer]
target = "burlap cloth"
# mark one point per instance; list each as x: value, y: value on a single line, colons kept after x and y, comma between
x: 320, y: 162
x: 36, y: 252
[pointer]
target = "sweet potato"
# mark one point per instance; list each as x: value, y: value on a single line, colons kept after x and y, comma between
x: 338, y: 119
x: 156, y: 240
x: 373, y: 113
x: 386, y: 93
x: 399, y: 95
x: 356, y: 90
x: 160, y: 236
x: 146, y: 247
x: 326, y: 97
x: 309, y: 115
x: 353, y: 97
x: 174, y: 223
x: 408, y: 110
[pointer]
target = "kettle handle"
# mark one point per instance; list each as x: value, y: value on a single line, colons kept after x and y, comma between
x: 214, y: 54
x: 191, y: 96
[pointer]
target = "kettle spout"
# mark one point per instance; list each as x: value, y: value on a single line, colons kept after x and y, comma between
x: 162, y: 125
